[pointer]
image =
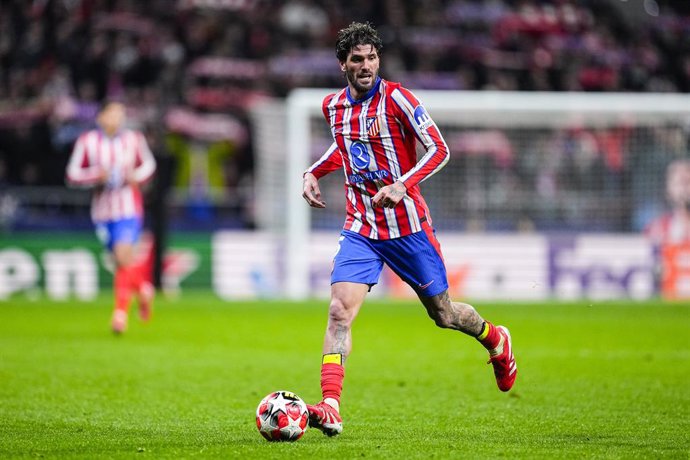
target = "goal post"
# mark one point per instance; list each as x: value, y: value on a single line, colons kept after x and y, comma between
x: 301, y: 107
x: 538, y: 161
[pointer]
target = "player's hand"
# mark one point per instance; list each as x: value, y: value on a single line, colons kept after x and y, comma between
x: 311, y: 191
x: 390, y: 195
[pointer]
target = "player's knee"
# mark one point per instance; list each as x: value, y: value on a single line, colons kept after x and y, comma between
x: 439, y: 310
x: 338, y: 313
x: 123, y: 254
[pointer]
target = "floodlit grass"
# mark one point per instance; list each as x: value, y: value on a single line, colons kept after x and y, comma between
x: 596, y: 380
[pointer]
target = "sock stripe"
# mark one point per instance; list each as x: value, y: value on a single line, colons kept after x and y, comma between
x: 485, y: 331
x: 332, y: 358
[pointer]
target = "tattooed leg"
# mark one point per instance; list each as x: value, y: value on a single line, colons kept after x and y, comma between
x: 346, y: 300
x: 453, y: 315
x: 464, y: 318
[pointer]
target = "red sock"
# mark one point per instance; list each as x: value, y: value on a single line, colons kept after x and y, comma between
x: 136, y: 277
x: 122, y: 286
x: 332, y: 376
x: 489, y: 337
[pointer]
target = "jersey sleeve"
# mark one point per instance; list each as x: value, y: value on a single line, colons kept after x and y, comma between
x: 144, y: 164
x: 416, y: 120
x: 82, y: 171
x: 329, y: 162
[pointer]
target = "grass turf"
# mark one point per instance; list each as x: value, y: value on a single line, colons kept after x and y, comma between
x: 596, y: 380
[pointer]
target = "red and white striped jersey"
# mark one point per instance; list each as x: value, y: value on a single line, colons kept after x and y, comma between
x: 124, y: 155
x: 375, y: 142
x: 670, y: 228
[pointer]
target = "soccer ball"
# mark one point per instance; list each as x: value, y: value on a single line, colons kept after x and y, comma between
x: 282, y: 416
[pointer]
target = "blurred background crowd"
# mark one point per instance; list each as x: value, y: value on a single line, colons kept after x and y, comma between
x: 190, y: 71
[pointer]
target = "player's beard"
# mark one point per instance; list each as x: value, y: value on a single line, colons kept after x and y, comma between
x: 360, y: 88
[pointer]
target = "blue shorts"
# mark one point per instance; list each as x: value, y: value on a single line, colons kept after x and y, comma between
x: 113, y: 232
x: 414, y: 258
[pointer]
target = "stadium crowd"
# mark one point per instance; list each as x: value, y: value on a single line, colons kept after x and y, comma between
x: 191, y: 70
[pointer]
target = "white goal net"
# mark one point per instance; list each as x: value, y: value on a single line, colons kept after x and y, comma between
x: 520, y: 163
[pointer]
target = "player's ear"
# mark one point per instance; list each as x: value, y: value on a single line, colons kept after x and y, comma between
x: 342, y: 66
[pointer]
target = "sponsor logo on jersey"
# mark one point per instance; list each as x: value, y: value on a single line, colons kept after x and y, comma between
x: 372, y: 176
x: 360, y: 155
x: 422, y: 118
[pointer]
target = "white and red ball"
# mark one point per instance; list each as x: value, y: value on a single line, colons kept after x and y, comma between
x: 282, y: 416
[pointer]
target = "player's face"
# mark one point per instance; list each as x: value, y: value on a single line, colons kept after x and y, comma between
x: 112, y: 117
x: 361, y: 69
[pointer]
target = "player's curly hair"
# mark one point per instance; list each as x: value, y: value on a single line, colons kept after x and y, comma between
x: 355, y: 34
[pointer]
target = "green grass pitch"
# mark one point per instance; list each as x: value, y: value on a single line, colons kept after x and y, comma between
x: 596, y: 380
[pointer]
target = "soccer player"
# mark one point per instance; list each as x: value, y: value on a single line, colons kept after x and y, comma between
x: 115, y: 162
x: 376, y: 124
x: 670, y: 234
x: 673, y: 227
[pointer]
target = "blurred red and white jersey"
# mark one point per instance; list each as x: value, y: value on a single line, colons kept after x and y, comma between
x: 124, y: 155
x: 375, y: 142
x: 671, y: 228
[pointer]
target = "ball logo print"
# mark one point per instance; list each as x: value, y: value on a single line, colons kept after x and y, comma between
x: 282, y: 416
x: 360, y: 155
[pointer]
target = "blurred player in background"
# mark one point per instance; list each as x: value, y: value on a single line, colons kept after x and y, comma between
x: 376, y: 125
x: 670, y: 234
x: 674, y: 226
x: 115, y: 162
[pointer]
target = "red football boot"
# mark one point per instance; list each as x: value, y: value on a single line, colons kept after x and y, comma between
x: 119, y: 322
x: 326, y: 418
x: 505, y: 368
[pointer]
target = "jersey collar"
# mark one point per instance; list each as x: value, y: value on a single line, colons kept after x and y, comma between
x: 370, y: 93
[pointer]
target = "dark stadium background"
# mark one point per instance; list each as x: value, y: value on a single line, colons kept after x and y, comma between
x: 180, y: 64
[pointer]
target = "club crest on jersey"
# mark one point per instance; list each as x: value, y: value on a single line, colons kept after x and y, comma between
x: 360, y: 155
x: 422, y: 118
x: 373, y: 126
